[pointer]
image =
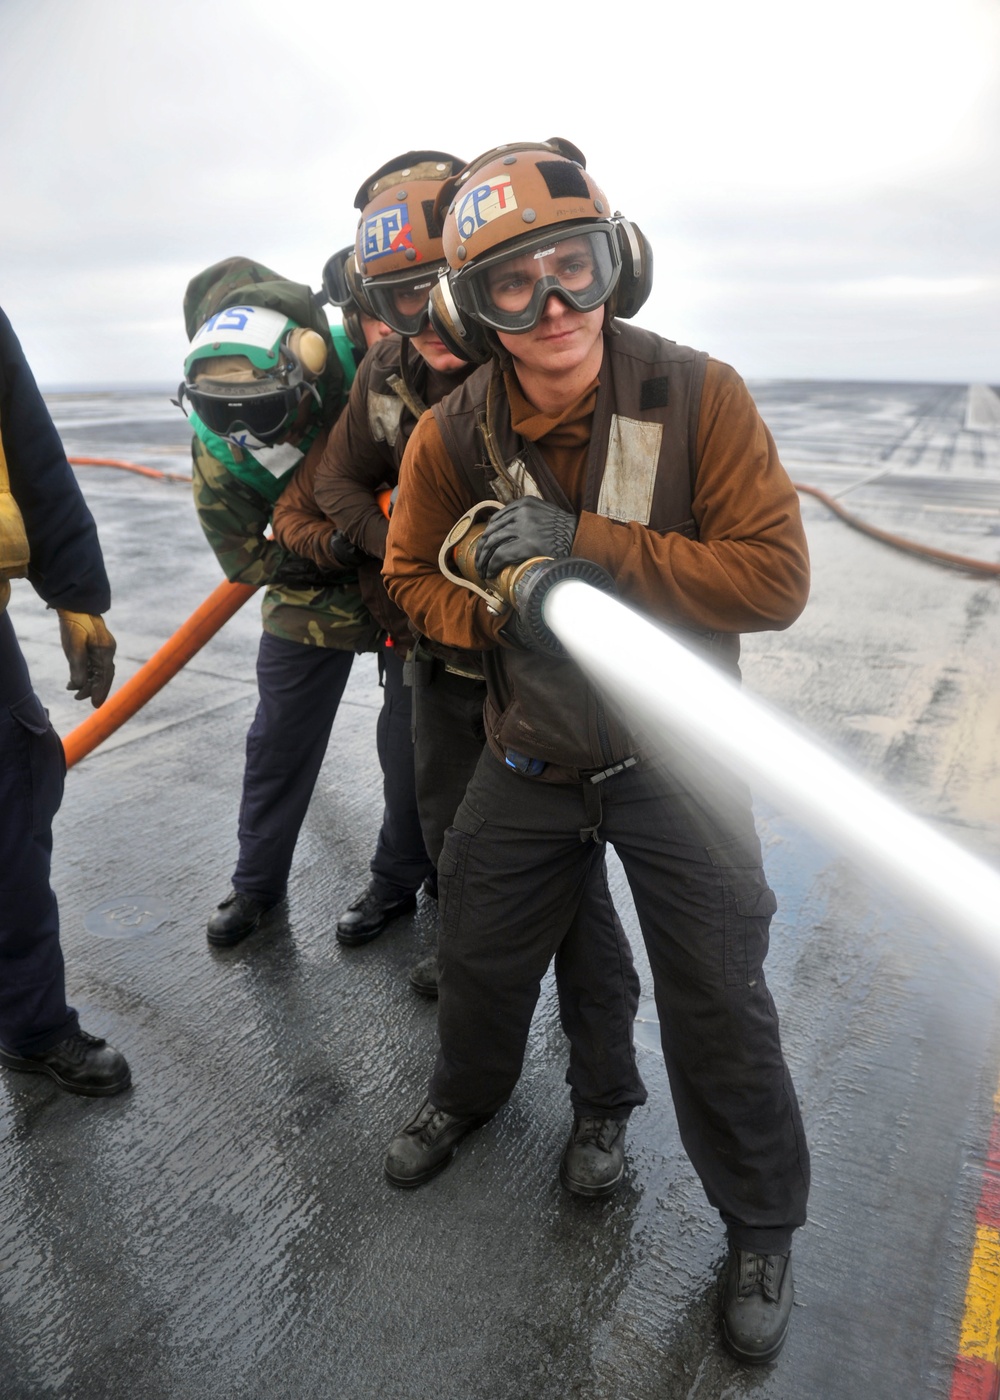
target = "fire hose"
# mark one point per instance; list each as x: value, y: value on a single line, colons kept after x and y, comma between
x: 566, y: 604
x: 207, y: 619
x: 153, y: 472
x: 522, y: 587
x: 961, y: 562
x: 176, y: 652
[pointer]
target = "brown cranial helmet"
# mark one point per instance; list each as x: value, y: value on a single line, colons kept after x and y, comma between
x: 524, y: 222
x: 398, y: 250
x: 515, y: 190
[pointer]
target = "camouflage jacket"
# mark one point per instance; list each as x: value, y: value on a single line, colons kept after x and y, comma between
x: 234, y: 518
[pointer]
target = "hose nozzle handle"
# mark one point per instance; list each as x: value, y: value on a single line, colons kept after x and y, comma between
x: 523, y: 586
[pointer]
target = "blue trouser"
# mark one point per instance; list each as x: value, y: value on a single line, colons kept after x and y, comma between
x: 33, y: 1011
x: 400, y: 862
x: 512, y: 874
x: 300, y: 688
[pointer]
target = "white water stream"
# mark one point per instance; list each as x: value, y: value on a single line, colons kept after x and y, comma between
x: 667, y: 690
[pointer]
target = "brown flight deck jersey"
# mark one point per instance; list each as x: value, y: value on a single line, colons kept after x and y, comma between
x: 680, y: 497
x: 366, y: 447
x: 299, y: 524
x: 748, y: 570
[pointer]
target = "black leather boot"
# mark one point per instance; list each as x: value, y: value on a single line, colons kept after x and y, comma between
x: 594, y: 1161
x: 368, y: 915
x: 82, y: 1064
x: 426, y: 1144
x: 424, y: 976
x: 757, y: 1298
x: 236, y: 917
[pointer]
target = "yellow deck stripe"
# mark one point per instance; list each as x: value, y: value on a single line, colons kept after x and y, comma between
x: 980, y: 1337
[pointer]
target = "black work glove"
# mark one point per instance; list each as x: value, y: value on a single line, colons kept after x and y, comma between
x: 514, y: 632
x: 345, y: 551
x: 294, y: 571
x: 529, y: 528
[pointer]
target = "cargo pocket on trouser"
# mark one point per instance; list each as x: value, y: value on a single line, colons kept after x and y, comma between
x: 451, y: 867
x: 749, y: 904
x: 44, y: 760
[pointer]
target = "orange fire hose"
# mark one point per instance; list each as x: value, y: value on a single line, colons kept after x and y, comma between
x: 177, y: 651
x: 963, y: 562
x: 127, y: 467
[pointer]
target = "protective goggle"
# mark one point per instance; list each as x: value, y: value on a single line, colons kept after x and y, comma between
x: 264, y: 409
x: 400, y: 298
x: 335, y: 284
x: 508, y: 291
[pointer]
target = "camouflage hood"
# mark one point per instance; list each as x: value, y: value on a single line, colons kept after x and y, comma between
x: 240, y: 281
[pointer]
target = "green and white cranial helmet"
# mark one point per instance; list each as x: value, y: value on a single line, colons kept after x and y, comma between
x: 248, y: 369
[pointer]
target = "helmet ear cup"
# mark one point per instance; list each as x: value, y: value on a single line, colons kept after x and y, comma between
x: 309, y: 349
x: 464, y: 338
x: 636, y: 280
x: 353, y: 329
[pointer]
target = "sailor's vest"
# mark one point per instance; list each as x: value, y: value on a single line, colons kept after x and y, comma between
x: 641, y: 467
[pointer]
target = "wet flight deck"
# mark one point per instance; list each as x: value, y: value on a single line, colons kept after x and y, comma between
x: 224, y: 1229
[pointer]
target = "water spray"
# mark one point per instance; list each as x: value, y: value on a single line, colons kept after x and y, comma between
x: 672, y: 695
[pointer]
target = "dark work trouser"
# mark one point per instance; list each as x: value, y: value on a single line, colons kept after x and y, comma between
x: 449, y: 737
x: 510, y: 877
x: 300, y: 688
x: 400, y: 863
x: 33, y: 1011
x: 596, y: 979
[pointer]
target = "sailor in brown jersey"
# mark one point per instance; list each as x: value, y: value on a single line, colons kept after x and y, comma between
x: 613, y: 445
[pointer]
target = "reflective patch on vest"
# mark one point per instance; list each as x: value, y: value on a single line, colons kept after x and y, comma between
x: 279, y: 458
x: 630, y: 470
x: 384, y: 413
x: 523, y: 481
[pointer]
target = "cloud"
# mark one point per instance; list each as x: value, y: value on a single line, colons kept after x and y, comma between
x: 833, y: 174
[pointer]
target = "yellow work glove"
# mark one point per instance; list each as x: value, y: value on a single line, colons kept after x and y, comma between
x: 90, y: 651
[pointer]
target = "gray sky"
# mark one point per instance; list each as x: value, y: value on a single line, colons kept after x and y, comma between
x: 820, y: 183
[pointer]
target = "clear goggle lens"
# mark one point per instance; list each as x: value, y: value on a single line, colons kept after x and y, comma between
x: 580, y: 266
x: 401, y: 300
